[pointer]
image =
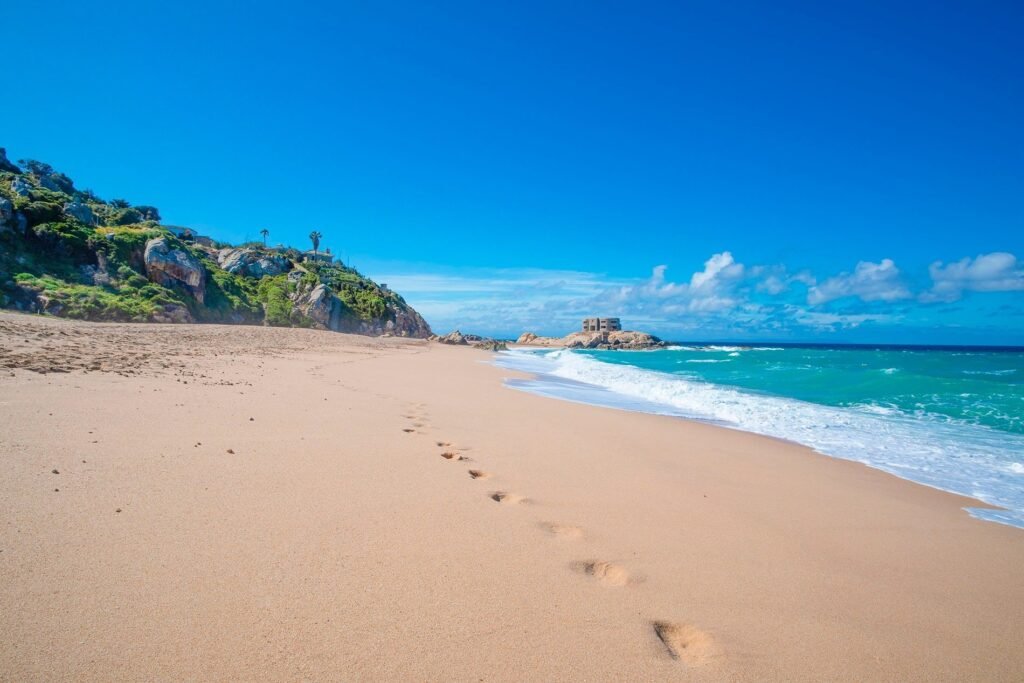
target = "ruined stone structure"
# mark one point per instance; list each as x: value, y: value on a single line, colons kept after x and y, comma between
x: 601, y: 325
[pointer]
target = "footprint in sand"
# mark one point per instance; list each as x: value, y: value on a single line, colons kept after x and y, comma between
x: 409, y: 431
x: 479, y: 474
x: 506, y: 498
x: 443, y: 444
x: 562, y: 530
x: 685, y: 642
x: 608, y: 573
x: 452, y: 455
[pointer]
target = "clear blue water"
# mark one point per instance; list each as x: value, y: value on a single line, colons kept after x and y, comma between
x: 952, y: 418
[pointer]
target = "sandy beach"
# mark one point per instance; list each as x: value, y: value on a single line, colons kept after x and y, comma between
x: 244, y: 503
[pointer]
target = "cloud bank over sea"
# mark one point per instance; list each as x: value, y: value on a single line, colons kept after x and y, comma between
x: 726, y: 298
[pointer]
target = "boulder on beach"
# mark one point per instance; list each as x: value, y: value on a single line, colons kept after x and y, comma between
x: 455, y: 338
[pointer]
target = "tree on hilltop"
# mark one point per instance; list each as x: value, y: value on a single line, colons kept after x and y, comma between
x: 265, y: 233
x: 37, y: 168
x: 314, y: 237
x: 149, y: 213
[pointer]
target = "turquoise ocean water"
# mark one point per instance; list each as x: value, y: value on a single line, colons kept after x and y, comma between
x: 947, y: 417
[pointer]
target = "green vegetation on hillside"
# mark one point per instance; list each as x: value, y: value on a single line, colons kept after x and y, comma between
x: 67, y: 252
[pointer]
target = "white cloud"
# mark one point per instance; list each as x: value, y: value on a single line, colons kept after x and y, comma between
x: 995, y: 272
x: 869, y: 282
x: 775, y: 280
x: 722, y: 296
x: 823, y: 321
x: 708, y: 290
x: 718, y: 270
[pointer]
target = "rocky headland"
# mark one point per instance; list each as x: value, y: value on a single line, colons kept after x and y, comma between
x: 621, y: 340
x: 68, y: 253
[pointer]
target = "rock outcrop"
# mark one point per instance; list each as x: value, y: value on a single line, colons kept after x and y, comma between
x: 454, y: 338
x: 624, y: 340
x: 491, y: 345
x: 21, y: 187
x: 321, y: 305
x: 80, y: 212
x: 252, y: 263
x: 167, y: 266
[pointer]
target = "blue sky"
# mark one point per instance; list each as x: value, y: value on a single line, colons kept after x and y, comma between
x: 741, y: 170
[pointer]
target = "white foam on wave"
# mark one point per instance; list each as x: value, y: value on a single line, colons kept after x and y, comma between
x: 967, y: 459
x: 708, y: 360
x: 1008, y: 371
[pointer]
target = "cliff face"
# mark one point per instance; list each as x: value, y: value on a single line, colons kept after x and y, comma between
x: 67, y: 252
x: 624, y: 340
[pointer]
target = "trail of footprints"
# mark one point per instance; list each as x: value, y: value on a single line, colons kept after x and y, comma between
x: 681, y: 641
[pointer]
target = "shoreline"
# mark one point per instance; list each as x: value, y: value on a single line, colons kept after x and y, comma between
x: 252, y: 505
x: 980, y: 504
x: 593, y: 381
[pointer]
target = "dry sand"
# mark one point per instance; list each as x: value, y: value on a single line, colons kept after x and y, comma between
x: 240, y: 503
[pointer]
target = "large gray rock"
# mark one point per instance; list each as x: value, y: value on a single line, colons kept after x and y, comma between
x: 454, y: 338
x: 322, y: 307
x: 327, y: 311
x: 49, y: 183
x: 491, y: 345
x: 168, y: 266
x: 252, y: 263
x: 80, y: 212
x: 21, y: 187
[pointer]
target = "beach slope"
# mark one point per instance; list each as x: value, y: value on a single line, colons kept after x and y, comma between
x: 241, y: 503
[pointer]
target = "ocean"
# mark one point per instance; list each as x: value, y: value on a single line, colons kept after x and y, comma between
x: 947, y: 417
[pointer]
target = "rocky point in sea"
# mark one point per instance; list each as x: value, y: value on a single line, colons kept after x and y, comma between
x: 623, y: 340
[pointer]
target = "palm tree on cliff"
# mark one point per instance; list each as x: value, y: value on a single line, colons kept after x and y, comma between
x: 315, y: 239
x: 264, y: 232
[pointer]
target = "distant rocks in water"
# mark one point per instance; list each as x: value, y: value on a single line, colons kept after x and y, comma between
x: 167, y: 266
x: 624, y: 340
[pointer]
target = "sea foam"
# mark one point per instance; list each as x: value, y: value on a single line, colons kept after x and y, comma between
x: 971, y: 460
